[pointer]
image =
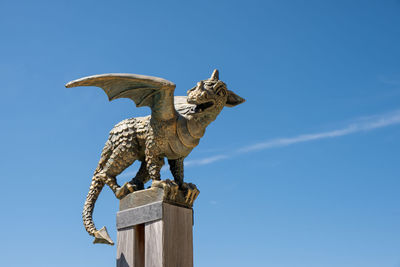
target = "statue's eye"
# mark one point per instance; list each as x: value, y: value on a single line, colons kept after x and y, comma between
x: 220, y: 88
x: 221, y: 92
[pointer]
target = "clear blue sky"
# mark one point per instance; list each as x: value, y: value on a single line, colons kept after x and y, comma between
x: 304, y: 174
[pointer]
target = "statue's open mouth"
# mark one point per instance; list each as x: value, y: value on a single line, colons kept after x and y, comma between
x: 203, y: 106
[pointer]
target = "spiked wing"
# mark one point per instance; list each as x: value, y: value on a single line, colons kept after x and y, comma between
x: 156, y: 93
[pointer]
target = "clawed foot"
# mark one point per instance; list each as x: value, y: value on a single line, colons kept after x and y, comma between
x: 170, y: 187
x: 125, y: 190
x: 191, y: 192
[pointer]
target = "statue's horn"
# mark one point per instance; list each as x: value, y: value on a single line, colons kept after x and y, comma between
x: 215, y: 75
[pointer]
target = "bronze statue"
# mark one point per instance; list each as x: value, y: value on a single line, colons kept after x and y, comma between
x: 174, y: 128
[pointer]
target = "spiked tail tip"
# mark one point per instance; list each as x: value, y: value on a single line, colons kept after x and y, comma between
x: 101, y: 237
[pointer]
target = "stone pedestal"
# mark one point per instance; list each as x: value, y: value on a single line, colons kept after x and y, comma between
x: 154, y: 231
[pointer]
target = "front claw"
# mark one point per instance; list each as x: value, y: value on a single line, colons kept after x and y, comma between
x: 124, y: 190
x: 170, y: 187
x: 191, y: 192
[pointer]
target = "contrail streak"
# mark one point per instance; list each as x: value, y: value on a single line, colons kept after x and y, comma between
x: 363, y: 124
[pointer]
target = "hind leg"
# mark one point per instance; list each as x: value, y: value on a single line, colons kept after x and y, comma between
x: 120, y: 159
x: 142, y: 176
x: 111, y: 181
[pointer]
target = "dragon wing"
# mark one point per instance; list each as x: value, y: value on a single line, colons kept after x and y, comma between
x: 156, y: 93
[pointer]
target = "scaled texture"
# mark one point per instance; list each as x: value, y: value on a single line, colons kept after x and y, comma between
x: 174, y: 128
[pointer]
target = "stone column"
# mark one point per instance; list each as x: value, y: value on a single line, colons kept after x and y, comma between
x: 154, y: 231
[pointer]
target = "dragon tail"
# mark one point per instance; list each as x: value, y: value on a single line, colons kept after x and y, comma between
x: 100, y: 236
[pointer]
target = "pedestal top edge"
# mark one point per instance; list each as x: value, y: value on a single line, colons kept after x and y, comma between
x: 152, y: 195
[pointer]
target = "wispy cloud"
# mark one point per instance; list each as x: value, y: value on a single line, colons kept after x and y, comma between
x: 391, y: 79
x: 207, y: 160
x: 362, y: 124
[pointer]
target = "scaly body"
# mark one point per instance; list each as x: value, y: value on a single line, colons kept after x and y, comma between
x: 172, y: 131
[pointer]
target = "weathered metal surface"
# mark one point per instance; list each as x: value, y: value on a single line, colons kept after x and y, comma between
x: 147, y: 205
x: 142, y: 197
x: 172, y: 131
x: 138, y: 215
x: 153, y: 233
x: 154, y: 194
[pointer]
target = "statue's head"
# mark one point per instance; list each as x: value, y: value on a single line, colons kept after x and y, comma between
x: 211, y: 96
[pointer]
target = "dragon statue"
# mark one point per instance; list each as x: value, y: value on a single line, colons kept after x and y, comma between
x: 174, y: 128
